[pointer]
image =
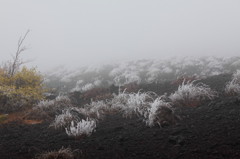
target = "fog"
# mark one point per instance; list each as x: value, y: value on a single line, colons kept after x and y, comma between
x: 85, y: 32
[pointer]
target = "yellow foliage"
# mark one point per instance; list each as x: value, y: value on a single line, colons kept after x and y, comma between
x: 26, y: 85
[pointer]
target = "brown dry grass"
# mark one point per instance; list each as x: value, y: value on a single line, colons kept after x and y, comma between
x: 19, y: 117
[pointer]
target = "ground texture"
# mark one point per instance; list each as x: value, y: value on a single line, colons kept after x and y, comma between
x: 211, y: 130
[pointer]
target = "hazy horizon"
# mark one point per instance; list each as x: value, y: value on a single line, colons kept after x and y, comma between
x: 77, y: 33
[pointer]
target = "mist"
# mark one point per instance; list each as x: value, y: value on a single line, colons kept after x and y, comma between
x: 78, y: 33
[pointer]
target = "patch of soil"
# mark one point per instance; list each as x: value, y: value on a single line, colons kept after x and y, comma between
x: 18, y: 117
x: 208, y: 131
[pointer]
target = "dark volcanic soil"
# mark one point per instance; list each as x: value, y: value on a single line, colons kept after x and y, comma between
x: 211, y: 130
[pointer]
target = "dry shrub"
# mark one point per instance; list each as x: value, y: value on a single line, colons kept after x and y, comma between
x: 63, y: 153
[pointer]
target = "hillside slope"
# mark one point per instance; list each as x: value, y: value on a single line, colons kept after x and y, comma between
x: 208, y: 131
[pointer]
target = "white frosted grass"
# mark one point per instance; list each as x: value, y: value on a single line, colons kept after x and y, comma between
x: 236, y: 76
x: 97, y: 83
x: 233, y: 87
x: 132, y: 103
x: 119, y: 100
x: 84, y: 127
x: 190, y: 92
x: 62, y: 120
x: 45, y: 104
x: 146, y: 71
x: 80, y: 86
x: 126, y: 78
x: 156, y: 113
x: 143, y: 104
x: 236, y: 63
x: 96, y: 109
x: 87, y: 87
x: 62, y: 98
x: 137, y: 104
x: 55, y: 106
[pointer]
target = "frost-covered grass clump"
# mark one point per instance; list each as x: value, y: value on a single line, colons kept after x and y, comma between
x: 55, y: 104
x: 95, y: 109
x: 48, y: 109
x: 152, y: 109
x: 160, y: 113
x: 80, y: 121
x: 64, y: 119
x: 190, y: 94
x: 70, y: 120
x: 132, y: 103
x: 83, y: 127
x: 233, y: 87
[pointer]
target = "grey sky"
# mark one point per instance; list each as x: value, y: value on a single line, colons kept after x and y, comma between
x: 82, y: 32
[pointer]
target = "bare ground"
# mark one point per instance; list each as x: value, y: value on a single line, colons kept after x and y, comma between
x: 211, y: 130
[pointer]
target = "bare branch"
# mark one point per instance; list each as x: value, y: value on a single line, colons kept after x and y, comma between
x: 16, y: 61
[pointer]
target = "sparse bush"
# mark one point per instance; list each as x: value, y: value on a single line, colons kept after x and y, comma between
x: 84, y: 127
x: 233, y: 87
x: 190, y: 94
x: 63, y: 153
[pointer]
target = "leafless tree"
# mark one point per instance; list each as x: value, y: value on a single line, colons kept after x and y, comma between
x: 17, y: 62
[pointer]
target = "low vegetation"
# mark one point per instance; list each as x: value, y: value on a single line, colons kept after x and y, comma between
x: 83, y: 127
x: 233, y: 87
x: 20, y: 87
x: 160, y: 113
x: 63, y: 153
x: 190, y: 94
